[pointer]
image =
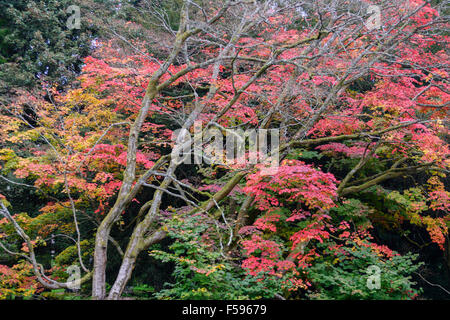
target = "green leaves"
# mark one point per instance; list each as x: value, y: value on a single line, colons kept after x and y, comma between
x: 35, y: 42
x: 202, y: 271
x: 352, y: 210
x: 358, y: 272
x: 305, y: 154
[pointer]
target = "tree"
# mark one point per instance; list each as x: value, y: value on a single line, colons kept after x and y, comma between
x: 290, y: 65
x: 36, y: 45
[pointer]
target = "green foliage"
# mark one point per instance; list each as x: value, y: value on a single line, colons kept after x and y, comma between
x: 70, y: 255
x: 352, y: 210
x: 61, y: 294
x: 35, y: 42
x: 293, y: 226
x: 304, y: 154
x: 346, y: 275
x: 201, y: 269
x: 142, y: 291
x: 168, y: 8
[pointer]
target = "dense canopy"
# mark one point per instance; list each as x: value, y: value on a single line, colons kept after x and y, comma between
x: 349, y: 102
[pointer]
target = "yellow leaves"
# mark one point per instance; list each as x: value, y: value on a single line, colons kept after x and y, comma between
x: 40, y: 242
x: 23, y: 136
x: 428, y: 221
x: 439, y: 72
x: 9, y: 124
x: 9, y: 159
x: 81, y: 99
x: 75, y: 117
x: 22, y: 218
x: 215, y: 268
x: 220, y: 266
x: 183, y: 259
x: 17, y: 281
x: 428, y: 77
x: 70, y: 255
x: 415, y: 219
x: 7, y: 154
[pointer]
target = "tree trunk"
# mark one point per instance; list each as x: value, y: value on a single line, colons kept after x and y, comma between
x: 100, y: 259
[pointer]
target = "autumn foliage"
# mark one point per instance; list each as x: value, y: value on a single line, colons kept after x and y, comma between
x: 363, y: 120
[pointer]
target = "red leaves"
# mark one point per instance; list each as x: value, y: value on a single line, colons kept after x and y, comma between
x: 294, y: 182
x: 109, y: 154
x: 353, y: 152
x: 36, y: 169
x: 267, y: 222
x: 438, y: 231
x: 314, y: 231
x: 264, y: 256
x: 268, y: 248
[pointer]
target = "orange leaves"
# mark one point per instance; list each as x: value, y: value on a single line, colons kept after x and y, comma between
x: 18, y: 281
x: 437, y: 229
x: 439, y: 197
x: 45, y: 173
x: 9, y: 126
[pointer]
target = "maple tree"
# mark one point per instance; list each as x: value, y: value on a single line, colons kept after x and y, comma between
x: 358, y: 109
